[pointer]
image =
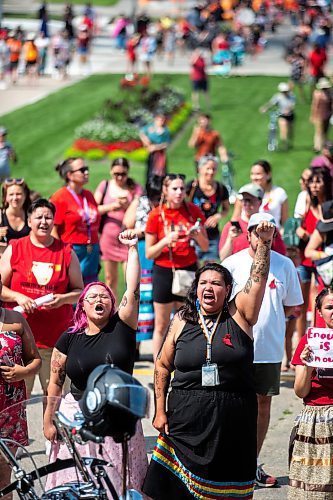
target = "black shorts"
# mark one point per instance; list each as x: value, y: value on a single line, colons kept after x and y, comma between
x: 162, y: 284
x: 29, y: 64
x: 13, y: 65
x: 200, y: 85
x: 288, y: 118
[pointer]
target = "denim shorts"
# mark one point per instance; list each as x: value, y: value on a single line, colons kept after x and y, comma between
x: 212, y: 253
x: 305, y: 273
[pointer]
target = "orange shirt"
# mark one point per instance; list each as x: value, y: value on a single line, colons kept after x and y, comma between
x: 207, y: 143
x: 15, y: 47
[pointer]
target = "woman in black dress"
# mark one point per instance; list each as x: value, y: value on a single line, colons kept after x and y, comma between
x: 207, y: 443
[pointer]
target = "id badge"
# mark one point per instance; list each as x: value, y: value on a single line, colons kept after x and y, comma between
x: 209, y: 375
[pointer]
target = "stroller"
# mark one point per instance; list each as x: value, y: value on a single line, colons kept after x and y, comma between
x: 222, y: 62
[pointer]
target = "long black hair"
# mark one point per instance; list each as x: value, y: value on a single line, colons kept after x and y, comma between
x: 324, y: 174
x: 188, y: 311
x: 328, y: 290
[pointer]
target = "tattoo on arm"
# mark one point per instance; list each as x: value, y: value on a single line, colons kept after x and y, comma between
x: 123, y: 303
x: 165, y: 337
x: 161, y: 383
x: 58, y: 369
x: 248, y: 286
x: 137, y: 292
x: 260, y: 265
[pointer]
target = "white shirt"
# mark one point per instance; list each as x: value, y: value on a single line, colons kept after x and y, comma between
x: 300, y: 206
x: 272, y: 203
x: 282, y: 289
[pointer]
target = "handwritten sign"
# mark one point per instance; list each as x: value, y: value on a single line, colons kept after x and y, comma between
x: 321, y: 342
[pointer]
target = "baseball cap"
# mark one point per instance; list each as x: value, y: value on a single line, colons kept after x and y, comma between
x: 3, y: 130
x: 283, y: 87
x: 255, y: 219
x: 253, y: 189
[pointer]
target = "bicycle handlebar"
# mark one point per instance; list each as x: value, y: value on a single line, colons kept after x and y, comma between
x: 77, y: 427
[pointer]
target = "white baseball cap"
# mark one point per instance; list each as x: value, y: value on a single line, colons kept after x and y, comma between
x: 255, y: 219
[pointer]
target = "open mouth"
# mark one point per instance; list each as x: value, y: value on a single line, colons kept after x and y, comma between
x: 208, y: 297
x: 99, y: 308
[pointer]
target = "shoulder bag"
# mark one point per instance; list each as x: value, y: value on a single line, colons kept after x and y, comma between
x: 325, y: 269
x: 3, y: 242
x: 103, y: 217
x: 182, y: 279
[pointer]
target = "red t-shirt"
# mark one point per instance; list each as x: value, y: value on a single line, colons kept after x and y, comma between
x: 38, y: 271
x: 70, y: 217
x: 180, y: 220
x: 207, y: 143
x: 241, y: 241
x: 309, y: 224
x: 321, y: 392
x: 198, y: 70
x: 317, y: 62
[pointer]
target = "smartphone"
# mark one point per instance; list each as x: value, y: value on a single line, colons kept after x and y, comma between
x: 236, y: 224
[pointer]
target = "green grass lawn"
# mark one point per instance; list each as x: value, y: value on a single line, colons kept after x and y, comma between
x: 41, y: 132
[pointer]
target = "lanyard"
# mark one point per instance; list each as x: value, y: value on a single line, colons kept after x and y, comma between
x: 209, y: 334
x: 86, y: 212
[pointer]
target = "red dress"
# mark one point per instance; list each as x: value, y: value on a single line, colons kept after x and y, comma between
x: 13, y: 421
x: 38, y: 271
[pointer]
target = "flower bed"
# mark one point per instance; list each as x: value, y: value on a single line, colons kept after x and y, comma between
x: 115, y: 131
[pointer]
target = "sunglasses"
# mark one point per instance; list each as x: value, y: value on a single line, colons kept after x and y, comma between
x: 12, y: 180
x: 83, y: 169
x: 119, y: 174
x: 172, y: 177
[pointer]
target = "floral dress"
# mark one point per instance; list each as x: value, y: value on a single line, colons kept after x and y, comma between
x: 13, y: 421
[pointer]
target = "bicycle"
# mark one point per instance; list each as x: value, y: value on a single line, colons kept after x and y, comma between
x: 227, y: 177
x: 91, y: 423
x: 272, y: 143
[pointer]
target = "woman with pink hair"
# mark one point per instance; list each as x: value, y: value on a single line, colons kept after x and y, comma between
x: 99, y: 335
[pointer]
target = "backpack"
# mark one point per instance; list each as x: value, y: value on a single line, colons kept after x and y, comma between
x: 290, y: 237
x: 32, y: 53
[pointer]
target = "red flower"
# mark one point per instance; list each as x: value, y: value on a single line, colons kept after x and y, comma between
x: 227, y: 340
x: 272, y: 284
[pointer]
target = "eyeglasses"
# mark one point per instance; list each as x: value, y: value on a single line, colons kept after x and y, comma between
x: 94, y: 297
x: 12, y: 180
x: 119, y: 174
x: 172, y: 177
x: 83, y: 170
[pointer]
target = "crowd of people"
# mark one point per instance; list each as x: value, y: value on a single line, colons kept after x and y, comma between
x: 161, y: 234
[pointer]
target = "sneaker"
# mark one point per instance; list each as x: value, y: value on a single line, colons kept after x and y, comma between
x: 264, y: 480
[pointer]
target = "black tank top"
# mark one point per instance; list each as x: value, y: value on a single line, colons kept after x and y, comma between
x: 12, y: 234
x: 235, y: 361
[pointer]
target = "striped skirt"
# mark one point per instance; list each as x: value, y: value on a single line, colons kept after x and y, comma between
x: 210, y: 452
x: 146, y: 309
x: 311, y: 467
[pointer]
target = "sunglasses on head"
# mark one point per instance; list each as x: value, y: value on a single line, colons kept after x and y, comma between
x: 83, y: 169
x: 172, y: 177
x: 12, y: 180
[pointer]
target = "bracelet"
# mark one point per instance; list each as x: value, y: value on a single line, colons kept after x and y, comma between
x: 319, y: 255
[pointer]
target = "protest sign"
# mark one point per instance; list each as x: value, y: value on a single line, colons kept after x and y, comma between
x: 321, y: 342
